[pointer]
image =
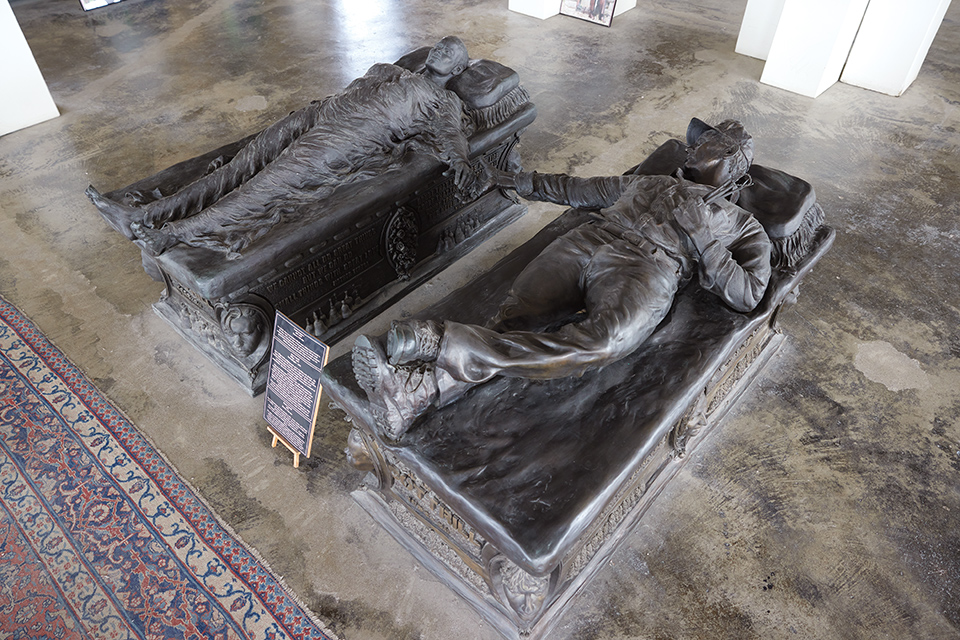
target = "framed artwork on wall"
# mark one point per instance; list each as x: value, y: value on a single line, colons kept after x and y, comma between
x: 96, y: 4
x: 599, y: 11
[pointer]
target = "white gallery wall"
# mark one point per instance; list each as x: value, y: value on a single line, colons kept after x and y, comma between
x: 25, y: 99
x: 892, y: 44
x: 809, y: 45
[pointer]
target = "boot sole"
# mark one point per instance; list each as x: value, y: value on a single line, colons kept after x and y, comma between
x: 366, y: 370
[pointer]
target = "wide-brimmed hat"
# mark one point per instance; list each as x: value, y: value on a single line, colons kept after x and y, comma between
x: 730, y: 131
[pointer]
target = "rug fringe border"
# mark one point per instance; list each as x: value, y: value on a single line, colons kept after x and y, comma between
x: 253, y: 551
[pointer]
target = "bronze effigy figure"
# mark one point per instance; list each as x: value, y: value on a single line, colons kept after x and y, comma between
x: 356, y: 134
x: 594, y: 294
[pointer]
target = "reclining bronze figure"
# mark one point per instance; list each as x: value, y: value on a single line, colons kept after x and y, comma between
x: 597, y: 292
x: 356, y: 134
x: 514, y: 432
x: 332, y: 212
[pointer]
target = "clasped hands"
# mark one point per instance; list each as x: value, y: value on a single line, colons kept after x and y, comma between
x: 471, y: 184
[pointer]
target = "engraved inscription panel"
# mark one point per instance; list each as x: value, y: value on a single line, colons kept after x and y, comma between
x: 324, y: 273
x: 408, y: 487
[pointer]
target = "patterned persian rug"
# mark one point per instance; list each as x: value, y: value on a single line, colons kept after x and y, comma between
x: 99, y: 537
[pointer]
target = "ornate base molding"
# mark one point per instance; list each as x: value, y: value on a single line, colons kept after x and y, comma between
x: 516, y: 603
x: 352, y: 253
x: 242, y: 350
x: 518, y: 493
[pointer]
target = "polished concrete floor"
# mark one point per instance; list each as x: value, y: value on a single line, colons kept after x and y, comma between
x: 828, y: 506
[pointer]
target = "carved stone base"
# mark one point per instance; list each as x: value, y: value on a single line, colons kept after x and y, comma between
x: 234, y: 330
x: 516, y: 603
x: 517, y: 493
x: 236, y: 337
x: 352, y: 254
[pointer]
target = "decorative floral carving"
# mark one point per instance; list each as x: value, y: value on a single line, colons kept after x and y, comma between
x: 197, y: 323
x: 402, y: 237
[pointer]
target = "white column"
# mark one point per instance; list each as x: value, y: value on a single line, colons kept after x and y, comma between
x: 892, y: 44
x: 542, y: 9
x: 623, y: 5
x: 811, y: 44
x: 760, y: 21
x: 25, y: 99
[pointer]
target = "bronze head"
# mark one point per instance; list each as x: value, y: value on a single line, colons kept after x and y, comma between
x: 716, y: 155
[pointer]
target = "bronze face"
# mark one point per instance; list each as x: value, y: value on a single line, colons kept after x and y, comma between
x: 716, y: 159
x: 447, y: 57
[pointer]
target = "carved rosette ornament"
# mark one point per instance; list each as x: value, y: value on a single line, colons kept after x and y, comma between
x: 522, y: 594
x: 402, y: 238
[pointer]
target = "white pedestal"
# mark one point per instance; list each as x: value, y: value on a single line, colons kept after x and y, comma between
x: 892, y: 44
x: 811, y: 44
x: 25, y: 99
x: 760, y: 21
x: 623, y: 5
x: 542, y: 9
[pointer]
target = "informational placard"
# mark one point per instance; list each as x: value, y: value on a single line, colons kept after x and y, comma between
x: 293, y: 386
